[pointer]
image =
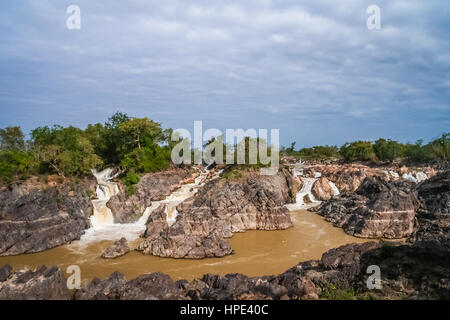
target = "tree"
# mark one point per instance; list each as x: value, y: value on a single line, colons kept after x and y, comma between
x: 66, y: 151
x: 12, y: 139
x: 143, y: 130
x: 388, y: 150
x: 439, y: 149
x: 357, y: 151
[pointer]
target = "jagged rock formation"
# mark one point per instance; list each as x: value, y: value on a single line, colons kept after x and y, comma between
x: 220, y: 208
x: 151, y: 187
x: 34, y: 217
x: 42, y: 283
x: 433, y: 214
x: 155, y: 286
x: 118, y: 249
x: 348, y: 177
x: 378, y: 208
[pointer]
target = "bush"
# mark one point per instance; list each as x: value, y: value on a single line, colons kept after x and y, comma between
x: 388, y: 150
x: 13, y: 164
x: 357, y: 151
x: 147, y: 159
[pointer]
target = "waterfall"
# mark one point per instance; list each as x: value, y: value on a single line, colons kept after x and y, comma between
x: 102, y: 222
x: 105, y: 190
x: 175, y: 198
x: 300, y: 196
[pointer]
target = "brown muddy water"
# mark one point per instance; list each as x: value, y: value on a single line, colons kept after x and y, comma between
x: 257, y: 253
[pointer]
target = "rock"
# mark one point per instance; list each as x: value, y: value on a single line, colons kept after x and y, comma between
x: 151, y: 187
x: 42, y: 283
x: 377, y: 209
x: 322, y: 190
x: 407, y: 272
x: 5, y: 272
x: 155, y: 286
x: 119, y: 249
x: 35, y: 218
x: 306, y: 199
x: 433, y: 214
x: 221, y: 207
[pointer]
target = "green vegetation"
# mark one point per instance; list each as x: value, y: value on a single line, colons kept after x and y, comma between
x: 332, y: 292
x: 384, y: 150
x: 140, y: 145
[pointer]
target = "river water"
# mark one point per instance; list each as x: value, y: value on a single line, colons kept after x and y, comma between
x: 257, y: 253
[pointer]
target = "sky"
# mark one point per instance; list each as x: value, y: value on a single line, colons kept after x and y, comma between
x: 311, y: 69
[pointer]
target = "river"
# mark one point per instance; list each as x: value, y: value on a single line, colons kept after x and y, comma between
x: 256, y: 253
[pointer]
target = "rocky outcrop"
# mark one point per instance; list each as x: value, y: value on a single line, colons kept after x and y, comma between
x: 378, y: 208
x: 118, y: 249
x: 221, y: 207
x: 155, y: 286
x: 34, y: 217
x: 349, y: 176
x: 322, y: 190
x: 433, y: 214
x: 151, y: 187
x: 42, y: 283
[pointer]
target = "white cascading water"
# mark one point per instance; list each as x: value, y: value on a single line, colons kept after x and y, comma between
x: 300, y: 196
x: 102, y: 222
x: 105, y: 190
x: 415, y: 177
x: 175, y: 198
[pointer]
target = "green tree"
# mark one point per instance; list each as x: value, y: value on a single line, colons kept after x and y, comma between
x: 143, y: 130
x: 357, y: 151
x: 65, y: 151
x: 439, y: 149
x: 11, y: 138
x: 388, y: 150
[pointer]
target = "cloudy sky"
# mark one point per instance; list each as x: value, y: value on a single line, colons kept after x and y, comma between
x: 309, y: 68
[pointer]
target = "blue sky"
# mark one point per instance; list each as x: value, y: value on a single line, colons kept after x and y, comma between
x: 309, y: 68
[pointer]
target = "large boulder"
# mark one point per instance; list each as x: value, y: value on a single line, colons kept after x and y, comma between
x: 433, y: 214
x: 42, y: 283
x: 34, y: 218
x: 221, y: 207
x: 118, y: 249
x: 378, y: 208
x: 322, y: 190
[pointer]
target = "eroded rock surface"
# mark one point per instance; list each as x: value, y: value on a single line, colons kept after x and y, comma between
x: 42, y: 283
x: 322, y: 190
x: 34, y: 218
x: 378, y: 208
x: 221, y: 207
x: 433, y: 214
x: 154, y: 286
x: 118, y: 249
x: 151, y: 187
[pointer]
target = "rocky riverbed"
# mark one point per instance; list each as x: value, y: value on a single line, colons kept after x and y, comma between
x: 367, y: 202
